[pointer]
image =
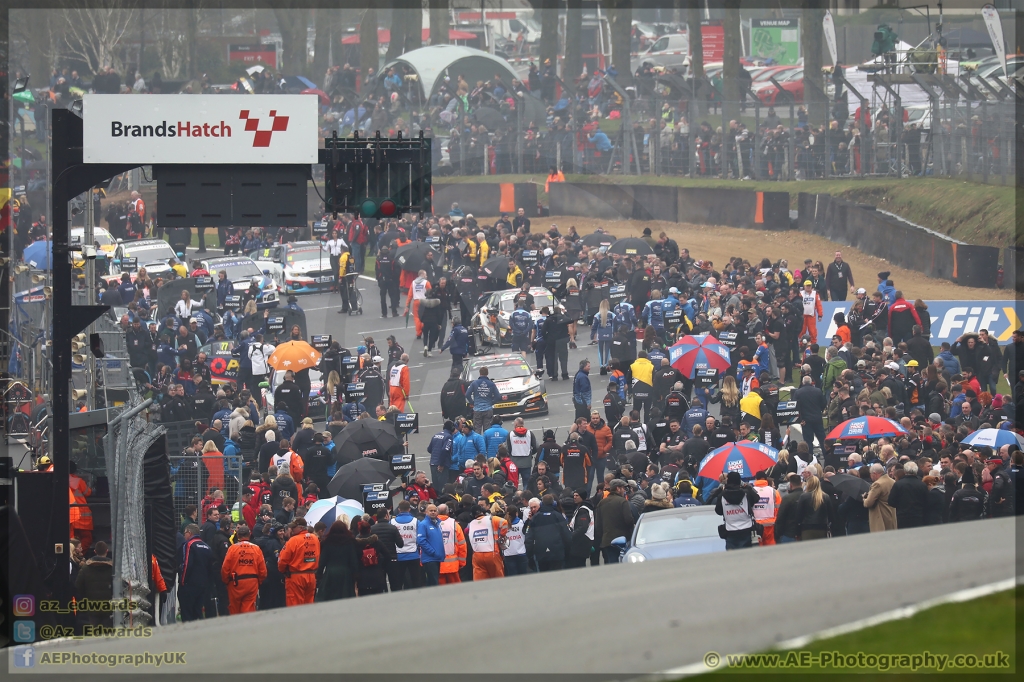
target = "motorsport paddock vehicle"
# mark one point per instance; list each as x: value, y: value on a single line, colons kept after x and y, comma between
x: 490, y: 323
x: 297, y: 267
x: 241, y: 271
x: 522, y: 389
x: 153, y: 254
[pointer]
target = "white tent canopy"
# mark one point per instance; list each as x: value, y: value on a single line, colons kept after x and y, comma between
x: 431, y: 64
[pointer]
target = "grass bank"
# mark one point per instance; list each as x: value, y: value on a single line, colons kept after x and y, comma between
x: 980, y: 632
x: 974, y: 213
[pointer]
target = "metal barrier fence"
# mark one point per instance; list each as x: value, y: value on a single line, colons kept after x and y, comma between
x: 193, y: 477
x: 655, y: 134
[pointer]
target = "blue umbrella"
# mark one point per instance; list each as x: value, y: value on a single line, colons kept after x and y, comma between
x: 39, y: 254
x: 994, y: 438
x: 699, y: 352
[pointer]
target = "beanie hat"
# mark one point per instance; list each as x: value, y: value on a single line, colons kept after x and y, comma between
x: 968, y: 477
x: 733, y: 478
x: 658, y: 491
x: 548, y: 433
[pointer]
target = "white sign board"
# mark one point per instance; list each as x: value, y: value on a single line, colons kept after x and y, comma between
x: 147, y: 129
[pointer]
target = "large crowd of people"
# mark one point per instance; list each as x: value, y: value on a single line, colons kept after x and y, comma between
x: 499, y: 501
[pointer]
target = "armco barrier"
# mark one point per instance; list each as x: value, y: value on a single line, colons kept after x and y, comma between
x: 949, y: 319
x: 897, y: 241
x: 486, y: 199
x: 698, y: 205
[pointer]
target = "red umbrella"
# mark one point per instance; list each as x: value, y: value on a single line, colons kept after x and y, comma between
x: 699, y: 352
x: 324, y: 99
x: 863, y: 428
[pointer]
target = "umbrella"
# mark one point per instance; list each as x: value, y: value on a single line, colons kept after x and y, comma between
x: 351, y: 478
x: 324, y: 99
x: 76, y: 91
x: 496, y: 268
x: 24, y: 96
x: 849, y: 485
x: 598, y: 239
x: 332, y: 509
x: 631, y: 246
x: 863, y: 428
x: 294, y: 355
x: 259, y: 68
x: 994, y: 438
x: 366, y: 438
x: 699, y: 352
x: 745, y: 457
x: 298, y: 83
x: 491, y: 118
x: 411, y: 257
x: 39, y: 254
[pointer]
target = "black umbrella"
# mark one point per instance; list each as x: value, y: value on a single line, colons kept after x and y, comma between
x: 491, y: 118
x: 366, y: 438
x: 849, y: 485
x: 351, y: 478
x: 598, y: 239
x: 631, y: 246
x: 496, y: 268
x: 411, y: 257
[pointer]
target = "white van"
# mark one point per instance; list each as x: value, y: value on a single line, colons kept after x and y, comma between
x: 668, y: 50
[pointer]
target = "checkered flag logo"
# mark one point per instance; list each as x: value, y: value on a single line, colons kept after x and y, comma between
x: 261, y: 138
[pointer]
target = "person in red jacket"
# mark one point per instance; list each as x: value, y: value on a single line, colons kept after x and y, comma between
x: 902, y: 318
x: 250, y: 506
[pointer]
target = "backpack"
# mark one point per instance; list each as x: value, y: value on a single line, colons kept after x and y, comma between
x: 369, y: 556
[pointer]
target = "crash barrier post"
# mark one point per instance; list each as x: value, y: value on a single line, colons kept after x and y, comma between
x: 703, y: 206
x: 898, y: 241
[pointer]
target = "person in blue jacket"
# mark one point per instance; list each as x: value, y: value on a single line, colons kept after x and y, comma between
x: 654, y: 315
x: 538, y: 338
x: 885, y: 286
x: 695, y: 416
x: 468, y: 446
x: 430, y: 542
x: 483, y: 394
x: 457, y: 343
x: 440, y: 450
x: 602, y: 329
x: 225, y: 288
x: 581, y: 390
x: 285, y: 424
x: 196, y: 576
x: 520, y: 323
x: 600, y: 140
x: 625, y: 316
x: 495, y: 437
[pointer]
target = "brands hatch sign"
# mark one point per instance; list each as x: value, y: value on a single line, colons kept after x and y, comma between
x: 200, y: 129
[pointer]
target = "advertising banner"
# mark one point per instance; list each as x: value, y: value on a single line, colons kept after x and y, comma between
x: 776, y: 39
x: 278, y: 129
x: 950, y: 319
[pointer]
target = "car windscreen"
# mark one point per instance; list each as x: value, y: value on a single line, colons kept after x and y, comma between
x: 103, y: 238
x: 507, y: 371
x: 150, y: 252
x: 302, y: 255
x: 672, y: 527
x: 237, y: 270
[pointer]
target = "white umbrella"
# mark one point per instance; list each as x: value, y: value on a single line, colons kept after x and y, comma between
x: 332, y: 509
x: 255, y: 69
x: 994, y: 438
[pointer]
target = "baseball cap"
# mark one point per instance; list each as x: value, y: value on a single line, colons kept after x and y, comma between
x: 807, y: 282
x: 673, y: 290
x: 377, y: 358
x: 861, y: 291
x: 192, y: 319
x: 893, y: 366
x: 861, y: 363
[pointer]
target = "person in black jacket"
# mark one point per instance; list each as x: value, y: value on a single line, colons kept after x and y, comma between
x: 909, y: 496
x: 203, y: 401
x: 970, y: 502
x: 453, y: 397
x: 810, y: 403
x: 814, y: 511
x: 271, y: 542
x: 94, y: 583
x: 548, y: 539
x: 556, y: 338
x: 582, y: 544
x: 195, y: 574
x: 390, y: 540
x: 787, y: 523
x: 289, y: 396
x: 220, y: 546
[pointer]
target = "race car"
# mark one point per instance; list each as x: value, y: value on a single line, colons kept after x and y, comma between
x: 490, y: 322
x: 302, y: 267
x: 242, y: 271
x: 105, y: 245
x: 522, y: 390
x: 153, y: 254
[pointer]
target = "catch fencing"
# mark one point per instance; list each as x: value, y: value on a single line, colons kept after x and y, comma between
x: 193, y: 477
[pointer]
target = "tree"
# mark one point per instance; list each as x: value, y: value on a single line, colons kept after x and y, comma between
x: 731, y: 83
x: 369, y: 57
x: 93, y: 33
x: 811, y: 39
x: 293, y: 22
x: 326, y: 22
x: 620, y: 14
x: 439, y: 22
x: 548, y: 33
x: 696, y: 48
x: 413, y: 26
x: 396, y: 44
x: 573, y: 65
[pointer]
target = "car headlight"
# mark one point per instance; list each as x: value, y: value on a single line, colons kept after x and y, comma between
x: 635, y: 558
x: 533, y: 391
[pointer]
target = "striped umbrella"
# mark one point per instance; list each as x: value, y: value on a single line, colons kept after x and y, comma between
x: 745, y: 457
x: 699, y: 352
x: 864, y: 428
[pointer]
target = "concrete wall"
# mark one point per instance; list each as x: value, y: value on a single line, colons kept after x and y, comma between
x: 486, y: 199
x: 699, y: 205
x: 896, y: 241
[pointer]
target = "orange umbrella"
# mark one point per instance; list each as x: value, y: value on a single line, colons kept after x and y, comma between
x: 294, y: 355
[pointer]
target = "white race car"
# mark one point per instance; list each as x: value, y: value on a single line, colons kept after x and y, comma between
x: 241, y: 270
x: 496, y: 309
x: 304, y: 267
